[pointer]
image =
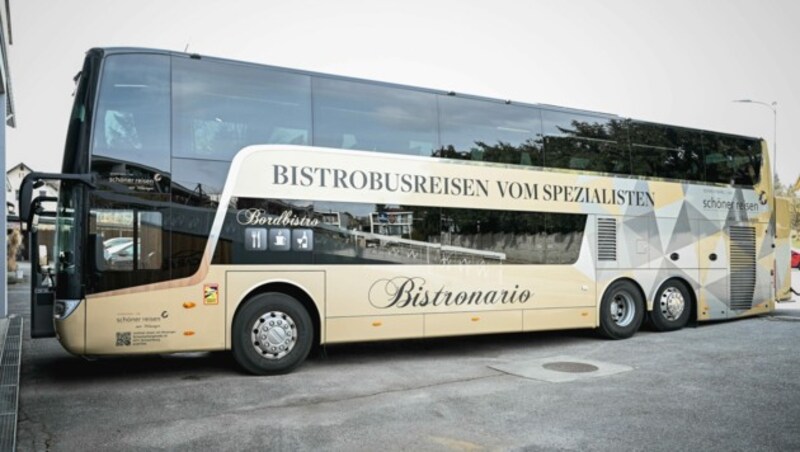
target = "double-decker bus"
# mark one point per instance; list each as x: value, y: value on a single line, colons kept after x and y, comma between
x: 208, y: 204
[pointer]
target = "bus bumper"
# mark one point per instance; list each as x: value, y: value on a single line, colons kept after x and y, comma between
x: 71, y: 326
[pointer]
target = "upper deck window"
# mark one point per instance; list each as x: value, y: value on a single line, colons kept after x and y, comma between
x: 584, y: 142
x: 731, y: 160
x: 219, y: 108
x: 132, y: 120
x: 668, y: 152
x: 354, y: 115
x: 474, y: 129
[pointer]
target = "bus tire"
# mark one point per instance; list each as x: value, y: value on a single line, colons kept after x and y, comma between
x: 672, y: 306
x: 272, y: 334
x: 621, y: 310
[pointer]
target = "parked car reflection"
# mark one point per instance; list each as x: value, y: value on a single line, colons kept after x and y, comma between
x: 118, y: 252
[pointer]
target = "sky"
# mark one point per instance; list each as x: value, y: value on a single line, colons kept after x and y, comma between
x: 678, y: 62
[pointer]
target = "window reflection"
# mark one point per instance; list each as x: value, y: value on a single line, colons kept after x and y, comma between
x: 131, y: 240
x: 353, y: 115
x: 731, y: 160
x: 474, y: 129
x: 115, y: 227
x: 219, y: 108
x: 196, y: 191
x: 745, y: 160
x: 590, y: 143
x: 667, y: 152
x: 360, y: 233
x: 148, y: 241
x: 132, y: 119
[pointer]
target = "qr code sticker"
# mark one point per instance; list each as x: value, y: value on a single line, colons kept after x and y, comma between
x: 123, y: 339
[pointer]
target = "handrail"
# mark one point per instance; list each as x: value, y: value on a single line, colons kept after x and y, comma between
x: 38, y: 209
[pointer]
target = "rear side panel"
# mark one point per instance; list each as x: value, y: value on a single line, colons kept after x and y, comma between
x: 783, y: 249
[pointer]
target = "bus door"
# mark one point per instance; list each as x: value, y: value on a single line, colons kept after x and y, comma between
x: 42, y: 288
x: 42, y: 280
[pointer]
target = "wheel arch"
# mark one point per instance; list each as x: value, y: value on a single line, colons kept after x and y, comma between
x: 294, y: 291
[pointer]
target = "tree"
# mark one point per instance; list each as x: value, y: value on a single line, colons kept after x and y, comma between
x: 786, y: 191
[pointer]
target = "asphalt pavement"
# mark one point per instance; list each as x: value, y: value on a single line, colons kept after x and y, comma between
x: 731, y: 385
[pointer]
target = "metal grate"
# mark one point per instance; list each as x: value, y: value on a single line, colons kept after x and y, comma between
x: 606, y: 239
x: 9, y: 381
x: 743, y: 266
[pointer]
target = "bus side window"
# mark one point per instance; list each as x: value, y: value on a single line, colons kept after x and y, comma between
x: 132, y: 120
x: 474, y: 129
x: 564, y: 237
x: 219, y: 108
x: 584, y: 142
x: 372, y: 117
x: 132, y: 240
x: 149, y: 233
x: 746, y: 162
x: 717, y: 159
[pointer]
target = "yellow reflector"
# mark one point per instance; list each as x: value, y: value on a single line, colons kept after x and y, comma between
x: 188, y: 305
x: 475, y: 319
x: 188, y: 333
x: 377, y: 323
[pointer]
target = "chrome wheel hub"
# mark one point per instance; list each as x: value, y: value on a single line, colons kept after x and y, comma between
x: 622, y: 309
x: 274, y: 335
x: 672, y: 304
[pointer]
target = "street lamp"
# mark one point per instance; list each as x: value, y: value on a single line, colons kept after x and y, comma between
x: 774, y: 107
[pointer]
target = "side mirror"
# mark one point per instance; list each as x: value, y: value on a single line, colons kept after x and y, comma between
x: 32, y: 179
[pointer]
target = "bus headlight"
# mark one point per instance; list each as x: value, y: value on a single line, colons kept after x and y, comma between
x: 64, y: 308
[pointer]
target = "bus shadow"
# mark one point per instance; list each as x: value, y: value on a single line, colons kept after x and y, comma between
x: 58, y: 366
x: 186, y: 366
x: 478, y: 346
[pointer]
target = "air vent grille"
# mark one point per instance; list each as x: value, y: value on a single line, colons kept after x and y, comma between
x: 743, y: 266
x: 606, y: 239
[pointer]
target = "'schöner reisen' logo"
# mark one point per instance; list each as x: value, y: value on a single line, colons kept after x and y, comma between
x: 412, y: 292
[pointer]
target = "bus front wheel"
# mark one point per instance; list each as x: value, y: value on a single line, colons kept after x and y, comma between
x: 672, y: 307
x: 272, y: 334
x: 621, y: 310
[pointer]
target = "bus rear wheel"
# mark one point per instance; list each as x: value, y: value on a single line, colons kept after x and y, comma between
x: 272, y: 334
x: 672, y: 307
x: 621, y: 310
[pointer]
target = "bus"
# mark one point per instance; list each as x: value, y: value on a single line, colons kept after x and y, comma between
x: 208, y: 204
